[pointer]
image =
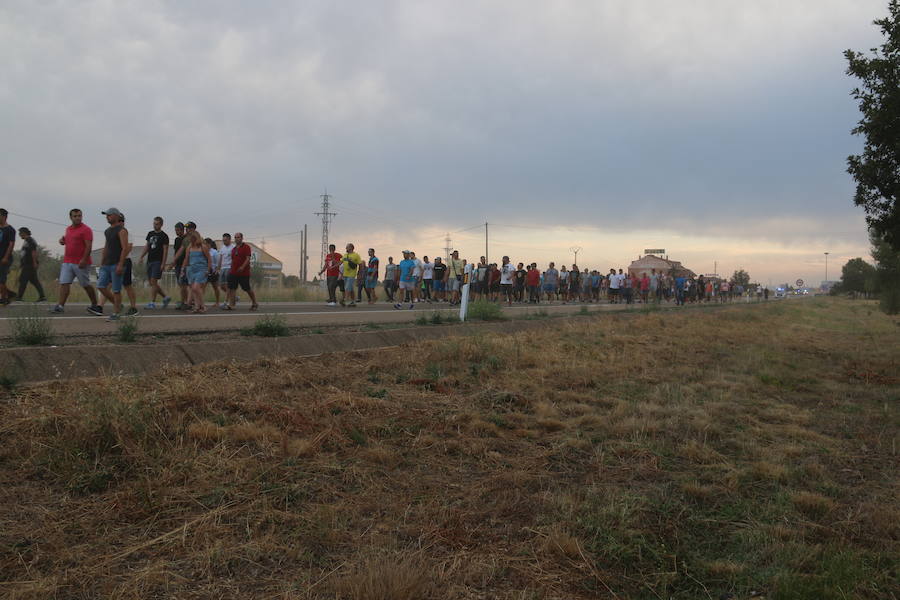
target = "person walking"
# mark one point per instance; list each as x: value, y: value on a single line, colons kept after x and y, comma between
x: 7, y: 244
x: 157, y: 251
x: 178, y: 262
x: 28, y: 272
x: 212, y: 278
x: 240, y: 272
x: 507, y: 275
x: 332, y: 270
x: 372, y: 277
x: 533, y: 283
x: 225, y: 267
x: 427, y: 279
x: 350, y: 264
x: 391, y: 276
x: 440, y: 280
x: 551, y: 280
x: 112, y: 262
x: 198, y: 266
x: 454, y: 276
x: 407, y: 280
x: 77, y: 240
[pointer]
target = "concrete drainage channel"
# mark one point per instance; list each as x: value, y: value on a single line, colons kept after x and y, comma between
x: 32, y: 365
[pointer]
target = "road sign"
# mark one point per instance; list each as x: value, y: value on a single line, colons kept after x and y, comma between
x: 799, y: 283
x: 654, y: 251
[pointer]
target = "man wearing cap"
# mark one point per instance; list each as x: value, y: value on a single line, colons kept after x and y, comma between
x: 407, y: 280
x: 112, y: 262
x: 178, y: 264
x: 157, y: 251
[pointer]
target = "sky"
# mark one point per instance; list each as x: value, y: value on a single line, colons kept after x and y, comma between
x: 717, y: 130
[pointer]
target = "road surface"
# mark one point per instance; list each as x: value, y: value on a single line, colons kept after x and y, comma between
x: 76, y: 321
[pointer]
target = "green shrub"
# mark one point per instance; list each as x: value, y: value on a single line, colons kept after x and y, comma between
x: 33, y: 328
x: 485, y: 311
x: 270, y: 326
x: 127, y: 329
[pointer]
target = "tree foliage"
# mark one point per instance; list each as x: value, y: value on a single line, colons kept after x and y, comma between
x: 857, y: 276
x: 740, y: 277
x: 877, y: 169
x: 887, y: 274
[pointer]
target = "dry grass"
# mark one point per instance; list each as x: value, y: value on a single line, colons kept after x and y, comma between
x: 675, y: 455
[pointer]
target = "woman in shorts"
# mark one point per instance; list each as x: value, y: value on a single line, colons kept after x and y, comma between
x: 199, y: 264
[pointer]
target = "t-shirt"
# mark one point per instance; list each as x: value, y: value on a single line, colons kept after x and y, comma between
x: 679, y: 283
x: 225, y: 255
x: 645, y: 284
x: 179, y: 239
x: 533, y: 277
x: 551, y: 276
x: 481, y: 272
x: 333, y: 264
x: 113, y: 245
x: 521, y: 274
x: 7, y: 237
x: 77, y: 238
x: 613, y: 281
x: 240, y: 254
x: 156, y: 241
x: 456, y: 267
x: 595, y: 281
x: 407, y: 266
x: 390, y: 272
x: 563, y: 277
x: 428, y: 270
x: 351, y: 271
x: 417, y: 270
x: 506, y: 274
x: 29, y: 247
x: 372, y: 268
x: 654, y: 281
x: 439, y: 271
x: 214, y: 257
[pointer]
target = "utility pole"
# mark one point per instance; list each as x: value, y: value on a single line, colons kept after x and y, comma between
x: 487, y: 259
x: 304, y: 237
x: 826, y: 266
x: 447, y: 247
x: 576, y: 250
x: 305, y: 253
x: 326, y: 215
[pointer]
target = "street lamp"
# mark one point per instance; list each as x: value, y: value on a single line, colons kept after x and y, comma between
x: 826, y: 267
x: 576, y: 250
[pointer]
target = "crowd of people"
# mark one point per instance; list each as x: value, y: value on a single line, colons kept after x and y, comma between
x: 200, y: 264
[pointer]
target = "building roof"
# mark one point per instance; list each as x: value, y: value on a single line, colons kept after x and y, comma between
x: 651, y: 261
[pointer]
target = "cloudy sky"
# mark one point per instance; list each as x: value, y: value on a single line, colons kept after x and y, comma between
x: 716, y: 129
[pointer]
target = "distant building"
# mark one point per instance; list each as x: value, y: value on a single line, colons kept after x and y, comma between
x: 648, y: 262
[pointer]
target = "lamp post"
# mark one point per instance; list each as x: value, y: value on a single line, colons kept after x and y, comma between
x: 826, y: 266
x: 576, y: 250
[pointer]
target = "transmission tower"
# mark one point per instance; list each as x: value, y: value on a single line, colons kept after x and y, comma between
x: 447, y: 247
x: 326, y: 215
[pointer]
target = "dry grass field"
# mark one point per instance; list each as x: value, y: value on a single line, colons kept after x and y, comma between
x: 742, y: 451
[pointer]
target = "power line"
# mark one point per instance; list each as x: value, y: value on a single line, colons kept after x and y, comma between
x: 37, y: 219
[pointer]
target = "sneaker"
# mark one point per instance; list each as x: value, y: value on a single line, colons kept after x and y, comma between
x: 57, y: 309
x: 11, y: 297
x: 343, y: 303
x: 150, y: 305
x: 166, y: 301
x: 113, y: 317
x: 331, y: 304
x: 352, y: 303
x: 41, y: 300
x: 131, y: 312
x: 411, y: 306
x: 95, y: 310
x: 179, y: 305
x: 398, y: 306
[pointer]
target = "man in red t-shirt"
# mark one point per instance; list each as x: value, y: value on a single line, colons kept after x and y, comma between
x: 77, y: 240
x: 533, y: 283
x: 332, y: 270
x: 240, y: 271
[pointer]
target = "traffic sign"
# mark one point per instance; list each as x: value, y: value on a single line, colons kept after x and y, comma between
x: 799, y: 283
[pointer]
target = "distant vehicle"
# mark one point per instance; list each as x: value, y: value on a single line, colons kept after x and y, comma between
x: 780, y: 292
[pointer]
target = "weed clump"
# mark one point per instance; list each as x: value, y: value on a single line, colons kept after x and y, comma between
x: 127, y: 329
x: 269, y: 326
x: 485, y: 311
x: 32, y: 328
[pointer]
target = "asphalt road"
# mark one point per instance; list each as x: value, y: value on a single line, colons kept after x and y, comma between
x: 76, y: 321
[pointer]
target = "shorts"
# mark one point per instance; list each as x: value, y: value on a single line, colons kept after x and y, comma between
x: 4, y: 271
x: 108, y: 276
x: 348, y: 283
x: 154, y: 270
x: 197, y: 276
x: 238, y: 280
x: 453, y: 284
x: 69, y: 272
x: 371, y: 283
x: 223, y: 275
x: 181, y: 275
x: 126, y: 273
x: 408, y: 285
x: 506, y: 288
x: 439, y: 285
x: 495, y: 287
x: 212, y: 278
x: 613, y: 291
x: 549, y: 288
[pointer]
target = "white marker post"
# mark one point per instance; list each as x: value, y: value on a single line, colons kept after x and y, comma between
x: 463, y: 302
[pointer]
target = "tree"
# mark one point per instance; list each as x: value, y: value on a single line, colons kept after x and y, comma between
x: 887, y: 275
x: 741, y: 277
x: 877, y: 169
x: 856, y: 276
x: 290, y: 281
x: 257, y: 275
